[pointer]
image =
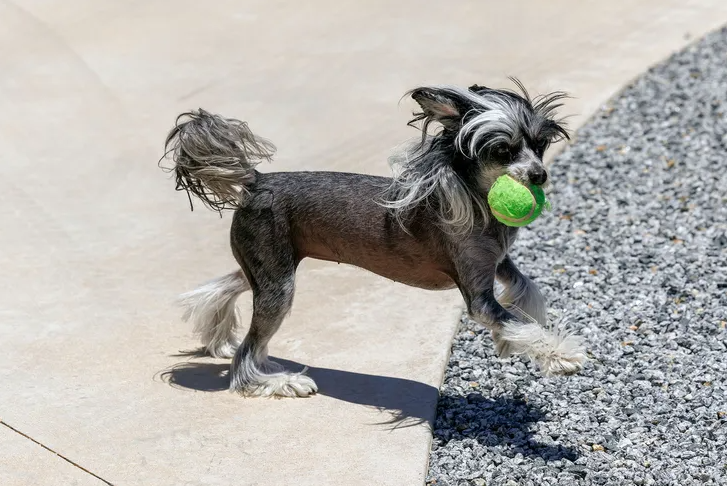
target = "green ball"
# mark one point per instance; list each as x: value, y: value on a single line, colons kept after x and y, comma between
x: 514, y: 204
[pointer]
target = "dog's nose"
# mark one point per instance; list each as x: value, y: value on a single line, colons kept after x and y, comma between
x: 538, y: 176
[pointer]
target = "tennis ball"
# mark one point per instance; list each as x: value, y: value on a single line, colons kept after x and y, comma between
x: 514, y: 204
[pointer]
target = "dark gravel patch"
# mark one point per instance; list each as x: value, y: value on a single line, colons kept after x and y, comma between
x: 634, y: 254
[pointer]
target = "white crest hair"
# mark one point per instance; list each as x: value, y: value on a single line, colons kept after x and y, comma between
x: 419, y: 173
x: 504, y: 116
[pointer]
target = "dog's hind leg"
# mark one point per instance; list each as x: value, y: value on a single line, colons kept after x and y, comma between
x: 212, y: 310
x: 262, y: 246
x: 252, y: 373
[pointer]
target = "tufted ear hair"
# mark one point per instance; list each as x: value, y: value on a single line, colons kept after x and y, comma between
x: 441, y: 105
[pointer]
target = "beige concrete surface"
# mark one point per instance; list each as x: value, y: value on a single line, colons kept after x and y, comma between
x: 96, y: 244
x: 24, y: 463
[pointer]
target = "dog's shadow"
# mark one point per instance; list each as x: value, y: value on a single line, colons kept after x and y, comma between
x: 503, y: 421
x: 407, y: 402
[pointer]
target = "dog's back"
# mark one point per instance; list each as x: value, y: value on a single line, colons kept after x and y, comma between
x: 336, y: 216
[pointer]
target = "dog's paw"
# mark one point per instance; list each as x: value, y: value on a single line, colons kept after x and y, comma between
x: 503, y: 349
x: 556, y: 353
x: 297, y: 385
x: 560, y: 364
x: 280, y: 385
x: 564, y: 356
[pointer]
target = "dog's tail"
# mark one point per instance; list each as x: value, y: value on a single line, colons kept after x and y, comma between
x: 212, y: 309
x: 215, y: 158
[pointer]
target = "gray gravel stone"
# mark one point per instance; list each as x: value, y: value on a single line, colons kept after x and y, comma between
x: 634, y: 256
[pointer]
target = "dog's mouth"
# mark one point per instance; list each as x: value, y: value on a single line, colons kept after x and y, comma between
x: 489, y: 176
x: 546, y: 186
x: 525, y: 181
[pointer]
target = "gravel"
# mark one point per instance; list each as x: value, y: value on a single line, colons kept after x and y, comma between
x: 634, y: 258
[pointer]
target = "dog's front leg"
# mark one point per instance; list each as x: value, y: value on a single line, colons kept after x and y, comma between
x: 554, y: 353
x: 477, y: 283
x: 521, y: 295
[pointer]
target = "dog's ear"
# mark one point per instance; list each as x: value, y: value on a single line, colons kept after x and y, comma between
x: 440, y: 105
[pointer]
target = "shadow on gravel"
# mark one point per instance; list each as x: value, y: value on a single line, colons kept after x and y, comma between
x: 405, y: 402
x: 496, y: 422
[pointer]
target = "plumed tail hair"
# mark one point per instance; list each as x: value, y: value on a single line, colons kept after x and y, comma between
x: 215, y: 158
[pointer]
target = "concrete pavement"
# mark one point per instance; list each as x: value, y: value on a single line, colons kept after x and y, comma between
x: 96, y: 243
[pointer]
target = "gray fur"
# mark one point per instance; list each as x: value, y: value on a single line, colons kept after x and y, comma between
x: 216, y: 157
x: 427, y: 227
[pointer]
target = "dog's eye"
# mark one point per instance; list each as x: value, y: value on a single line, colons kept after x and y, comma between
x: 541, y: 145
x: 502, y: 150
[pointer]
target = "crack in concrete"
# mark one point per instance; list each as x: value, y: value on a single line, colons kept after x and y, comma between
x: 56, y: 453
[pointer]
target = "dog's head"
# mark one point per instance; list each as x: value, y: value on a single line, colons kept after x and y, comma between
x: 491, y: 132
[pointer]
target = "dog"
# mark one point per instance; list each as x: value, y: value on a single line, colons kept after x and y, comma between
x: 427, y: 226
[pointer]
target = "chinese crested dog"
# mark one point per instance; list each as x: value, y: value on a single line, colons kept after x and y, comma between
x: 429, y: 226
